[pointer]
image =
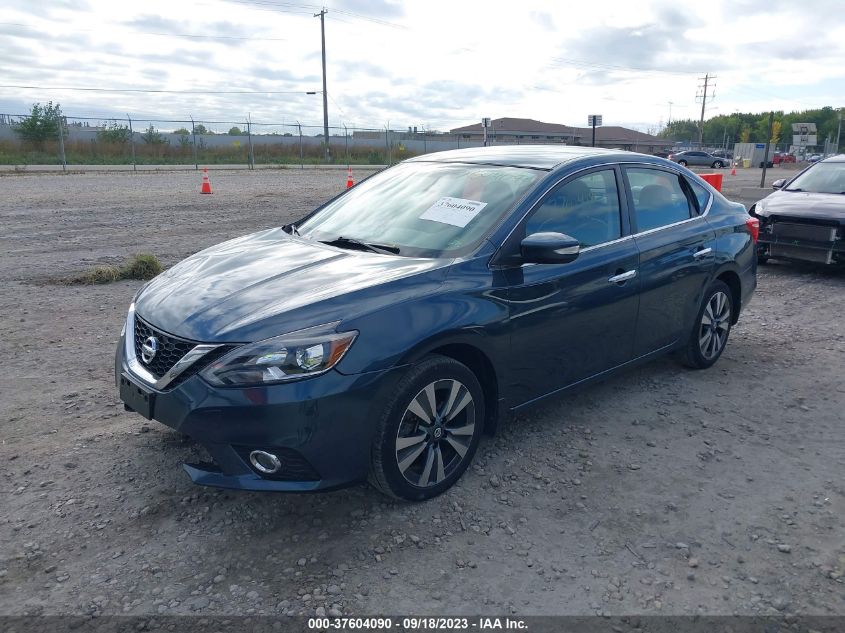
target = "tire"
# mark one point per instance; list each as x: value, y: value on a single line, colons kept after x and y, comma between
x: 682, y: 163
x: 717, y: 164
x: 436, y: 449
x: 702, y: 352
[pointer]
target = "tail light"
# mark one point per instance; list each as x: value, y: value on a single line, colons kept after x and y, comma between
x: 753, y: 225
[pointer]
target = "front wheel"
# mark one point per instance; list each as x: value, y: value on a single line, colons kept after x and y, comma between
x: 429, y: 431
x: 717, y: 164
x: 711, y: 329
x: 682, y: 163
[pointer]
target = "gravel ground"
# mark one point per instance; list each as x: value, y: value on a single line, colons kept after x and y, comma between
x: 662, y: 491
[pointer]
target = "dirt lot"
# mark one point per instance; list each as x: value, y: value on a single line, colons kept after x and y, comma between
x: 661, y: 491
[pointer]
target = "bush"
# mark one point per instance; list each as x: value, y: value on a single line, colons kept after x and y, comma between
x: 114, y: 133
x: 42, y: 124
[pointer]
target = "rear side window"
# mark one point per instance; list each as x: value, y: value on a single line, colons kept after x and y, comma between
x: 659, y: 198
x: 702, y: 196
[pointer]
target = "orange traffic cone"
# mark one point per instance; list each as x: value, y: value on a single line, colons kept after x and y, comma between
x: 206, y: 183
x: 349, y: 181
x: 733, y: 171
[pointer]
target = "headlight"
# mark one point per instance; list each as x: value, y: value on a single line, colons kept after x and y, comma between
x: 296, y: 355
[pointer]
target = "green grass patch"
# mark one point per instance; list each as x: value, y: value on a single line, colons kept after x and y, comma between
x: 142, y: 266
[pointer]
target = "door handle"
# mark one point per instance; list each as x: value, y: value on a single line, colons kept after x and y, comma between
x: 702, y: 252
x: 622, y: 277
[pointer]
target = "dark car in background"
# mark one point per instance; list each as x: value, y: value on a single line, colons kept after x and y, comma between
x: 804, y: 219
x: 380, y: 336
x: 697, y: 158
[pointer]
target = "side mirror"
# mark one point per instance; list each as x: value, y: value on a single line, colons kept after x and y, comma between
x: 549, y: 248
x: 778, y: 184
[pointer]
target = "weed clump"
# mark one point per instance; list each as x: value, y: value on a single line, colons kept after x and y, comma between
x: 142, y: 266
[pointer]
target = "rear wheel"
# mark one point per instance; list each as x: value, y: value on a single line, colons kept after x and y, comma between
x: 429, y: 431
x: 711, y: 329
x: 717, y: 164
x: 682, y: 163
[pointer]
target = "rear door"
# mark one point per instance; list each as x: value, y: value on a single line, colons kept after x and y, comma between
x: 571, y: 321
x: 676, y: 250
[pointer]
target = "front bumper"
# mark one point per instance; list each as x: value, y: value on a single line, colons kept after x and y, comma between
x: 321, y: 428
x: 801, y: 241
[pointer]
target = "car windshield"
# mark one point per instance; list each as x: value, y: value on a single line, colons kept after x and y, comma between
x: 422, y: 209
x: 821, y: 178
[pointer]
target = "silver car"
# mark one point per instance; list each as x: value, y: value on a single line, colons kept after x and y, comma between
x: 694, y: 157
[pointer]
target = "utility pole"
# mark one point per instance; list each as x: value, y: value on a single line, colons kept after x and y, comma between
x: 766, y: 155
x: 839, y: 130
x: 703, y: 96
x: 322, y: 15
x: 669, y: 122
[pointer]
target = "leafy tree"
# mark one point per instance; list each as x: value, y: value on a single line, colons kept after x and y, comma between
x: 182, y: 131
x: 745, y: 135
x: 235, y: 131
x: 42, y: 124
x: 199, y: 128
x: 114, y: 133
x: 777, y: 128
x: 152, y: 136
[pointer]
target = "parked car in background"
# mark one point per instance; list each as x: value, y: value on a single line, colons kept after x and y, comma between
x: 812, y: 158
x: 720, y: 153
x: 381, y: 335
x: 661, y: 154
x: 779, y: 158
x: 805, y: 218
x: 697, y: 158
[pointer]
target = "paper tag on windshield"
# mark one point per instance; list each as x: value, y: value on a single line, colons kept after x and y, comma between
x: 454, y: 211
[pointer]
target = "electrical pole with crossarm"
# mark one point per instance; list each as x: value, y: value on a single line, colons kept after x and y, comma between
x: 322, y: 15
x: 703, y: 96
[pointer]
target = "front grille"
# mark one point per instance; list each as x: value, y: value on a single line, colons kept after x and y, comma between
x: 787, y: 251
x: 804, y: 232
x: 170, y: 348
x: 294, y: 466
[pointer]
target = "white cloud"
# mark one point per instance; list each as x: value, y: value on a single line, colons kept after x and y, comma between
x: 435, y: 63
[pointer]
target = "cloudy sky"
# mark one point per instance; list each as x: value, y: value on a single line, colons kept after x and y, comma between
x: 432, y: 63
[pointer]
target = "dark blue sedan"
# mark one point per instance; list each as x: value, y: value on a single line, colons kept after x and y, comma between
x: 382, y: 335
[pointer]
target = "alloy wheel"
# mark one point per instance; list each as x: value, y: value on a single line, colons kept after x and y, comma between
x: 435, y: 433
x: 715, y: 324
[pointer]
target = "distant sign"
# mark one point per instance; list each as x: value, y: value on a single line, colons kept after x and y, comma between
x: 485, y: 121
x: 804, y: 134
x: 594, y: 119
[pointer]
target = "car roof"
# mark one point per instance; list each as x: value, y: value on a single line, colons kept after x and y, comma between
x: 839, y: 158
x: 532, y: 156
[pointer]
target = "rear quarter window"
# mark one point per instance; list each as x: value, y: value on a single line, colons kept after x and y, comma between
x: 702, y: 196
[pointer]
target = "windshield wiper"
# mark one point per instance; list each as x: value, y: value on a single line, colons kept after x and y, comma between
x: 290, y: 228
x: 796, y: 189
x: 384, y: 249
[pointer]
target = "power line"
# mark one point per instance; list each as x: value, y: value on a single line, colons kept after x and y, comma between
x: 572, y: 62
x: 286, y: 6
x: 188, y: 35
x: 155, y: 91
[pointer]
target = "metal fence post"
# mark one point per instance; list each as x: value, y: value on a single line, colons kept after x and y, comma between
x: 250, y: 157
x: 346, y: 138
x: 62, y: 142
x: 301, y: 160
x: 194, y: 135
x: 387, y: 145
x: 132, y: 142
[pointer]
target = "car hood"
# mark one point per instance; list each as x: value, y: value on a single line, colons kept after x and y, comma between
x: 270, y: 283
x: 801, y: 204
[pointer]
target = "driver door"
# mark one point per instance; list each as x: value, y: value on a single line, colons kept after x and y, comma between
x: 572, y: 321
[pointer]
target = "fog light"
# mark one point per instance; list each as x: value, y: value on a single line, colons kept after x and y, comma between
x: 265, y: 462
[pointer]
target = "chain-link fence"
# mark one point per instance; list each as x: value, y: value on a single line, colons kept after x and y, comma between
x: 138, y: 141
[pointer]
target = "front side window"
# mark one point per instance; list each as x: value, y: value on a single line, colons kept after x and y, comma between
x: 659, y: 198
x: 586, y: 208
x: 423, y: 209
